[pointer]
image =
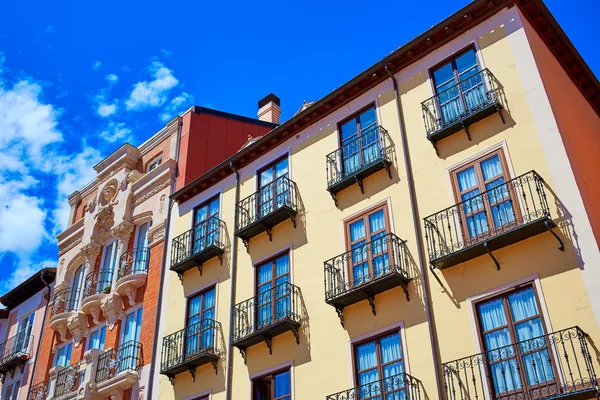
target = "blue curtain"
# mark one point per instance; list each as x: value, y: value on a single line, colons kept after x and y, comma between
x: 266, y: 192
x: 282, y: 384
x: 366, y: 355
x: 264, y: 296
x: 472, y: 202
x: 379, y: 244
x: 502, y: 211
x: 360, y: 266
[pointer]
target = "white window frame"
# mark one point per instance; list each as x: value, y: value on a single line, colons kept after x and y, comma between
x: 154, y: 163
x: 58, y: 349
x: 115, y: 249
x: 97, y: 330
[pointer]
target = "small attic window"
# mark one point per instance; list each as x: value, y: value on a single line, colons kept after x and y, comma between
x: 154, y: 163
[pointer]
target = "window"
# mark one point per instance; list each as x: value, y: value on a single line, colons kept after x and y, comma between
x: 360, y: 140
x: 24, y: 333
x: 62, y: 357
x: 376, y: 359
x: 273, y: 295
x: 458, y: 85
x: 96, y: 339
x: 273, y: 186
x: 130, y: 336
x: 200, y: 328
x: 109, y: 260
x: 504, y: 321
x: 12, y: 391
x: 154, y: 163
x: 76, y: 285
x: 141, y: 253
x: 368, y: 261
x: 483, y: 216
x: 206, y: 224
x: 273, y: 387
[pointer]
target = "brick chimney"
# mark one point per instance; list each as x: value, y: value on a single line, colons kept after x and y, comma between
x: 268, y: 109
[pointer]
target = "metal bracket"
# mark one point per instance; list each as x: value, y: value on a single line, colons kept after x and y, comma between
x: 214, y: 364
x: 270, y: 233
x: 334, y: 198
x: 193, y: 373
x: 293, y: 218
x: 340, y: 313
x: 269, y: 343
x: 247, y: 244
x: 485, y: 246
x: 500, y: 112
x: 296, y: 333
x: 221, y: 258
x: 405, y: 288
x: 199, y: 266
x: 360, y: 184
x: 466, y: 128
x: 562, y: 245
x: 371, y: 300
x: 171, y: 379
x: 243, y: 353
x: 180, y: 276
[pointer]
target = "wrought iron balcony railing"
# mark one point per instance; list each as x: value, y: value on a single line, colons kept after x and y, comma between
x: 135, y: 261
x: 505, y: 214
x: 365, y: 271
x: 261, y: 211
x: 64, y: 300
x: 198, y: 245
x: 357, y: 159
x: 191, y: 347
x: 39, y: 391
x: 98, y: 282
x: 401, y: 386
x: 125, y: 358
x: 455, y: 108
x: 15, y: 352
x: 556, y: 365
x: 270, y: 313
x: 69, y: 379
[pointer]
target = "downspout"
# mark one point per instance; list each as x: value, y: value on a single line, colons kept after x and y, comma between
x: 162, y: 275
x: 419, y: 241
x: 233, y: 282
x: 47, y: 297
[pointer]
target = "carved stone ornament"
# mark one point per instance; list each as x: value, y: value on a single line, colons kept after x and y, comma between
x: 130, y: 177
x: 61, y: 266
x: 91, y: 205
x: 130, y: 292
x: 77, y: 324
x: 62, y: 331
x: 141, y: 393
x: 90, y: 252
x: 156, y: 234
x: 139, y: 199
x: 112, y: 307
x: 123, y: 231
x: 109, y: 192
x: 161, y: 206
x: 105, y: 219
x: 114, y: 395
x: 95, y: 313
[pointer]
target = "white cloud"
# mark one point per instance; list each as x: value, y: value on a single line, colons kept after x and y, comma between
x: 2, y: 61
x: 106, y: 110
x: 116, y: 131
x: 25, y: 269
x: 96, y: 65
x: 149, y: 94
x: 112, y: 78
x: 176, y: 106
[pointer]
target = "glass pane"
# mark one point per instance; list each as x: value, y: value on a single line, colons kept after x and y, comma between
x: 282, y: 265
x: 523, y: 304
x: 201, y: 214
x: 491, y: 167
x: 348, y: 131
x: 357, y: 230
x: 466, y: 179
x: 377, y: 221
x: 505, y: 375
x: 266, y: 177
x: 538, y: 368
x: 390, y: 348
x: 367, y: 118
x: 443, y: 75
x: 282, y: 384
x: 492, y: 314
x: 209, y: 299
x: 265, y: 274
x: 213, y: 208
x: 466, y: 64
x: 194, y: 305
x: 281, y: 168
x: 366, y: 356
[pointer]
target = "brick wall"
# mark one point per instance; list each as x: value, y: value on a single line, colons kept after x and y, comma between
x: 161, y: 148
x: 82, y: 204
x: 150, y: 299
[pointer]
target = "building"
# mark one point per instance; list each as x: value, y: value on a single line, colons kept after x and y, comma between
x: 21, y: 325
x: 424, y: 231
x: 101, y: 328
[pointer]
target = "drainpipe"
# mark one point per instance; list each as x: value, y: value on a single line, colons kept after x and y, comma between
x: 233, y: 275
x: 47, y: 297
x: 419, y: 241
x: 162, y: 275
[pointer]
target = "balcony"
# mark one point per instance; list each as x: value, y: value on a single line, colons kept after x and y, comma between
x: 557, y: 365
x: 461, y: 105
x: 401, y: 386
x: 39, y: 391
x: 14, y: 353
x: 271, y: 313
x: 198, y: 245
x: 508, y: 213
x: 191, y: 347
x: 97, y: 286
x: 69, y: 379
x: 366, y: 271
x: 261, y: 211
x: 132, y: 273
x: 356, y: 160
x: 119, y: 368
x: 64, y: 302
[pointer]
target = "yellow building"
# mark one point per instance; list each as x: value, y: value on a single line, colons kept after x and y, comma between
x: 418, y: 233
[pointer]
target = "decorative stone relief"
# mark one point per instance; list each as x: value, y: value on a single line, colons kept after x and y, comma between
x: 90, y: 252
x: 104, y: 222
x: 161, y: 206
x: 77, y: 324
x: 151, y: 192
x: 141, y: 393
x: 62, y: 331
x: 122, y: 232
x: 71, y: 244
x: 114, y: 395
x: 112, y: 307
x: 91, y: 205
x: 130, y: 177
x: 156, y: 233
x: 61, y: 266
x: 95, y: 313
x: 109, y: 193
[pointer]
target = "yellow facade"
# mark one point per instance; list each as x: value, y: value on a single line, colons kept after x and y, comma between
x: 322, y: 362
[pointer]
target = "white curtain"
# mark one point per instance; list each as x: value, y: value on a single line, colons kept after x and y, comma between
x: 366, y: 355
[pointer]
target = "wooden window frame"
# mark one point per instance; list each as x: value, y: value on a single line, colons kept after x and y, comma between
x: 271, y: 260
x: 152, y: 162
x: 487, y: 204
x: 202, y: 309
x: 359, y: 129
x: 272, y: 378
x: 271, y: 165
x: 364, y: 215
x: 202, y: 205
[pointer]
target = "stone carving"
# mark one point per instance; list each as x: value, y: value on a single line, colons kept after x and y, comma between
x: 91, y: 205
x: 90, y: 252
x: 62, y: 331
x: 77, y: 324
x: 130, y: 293
x: 109, y: 174
x: 156, y: 234
x: 141, y: 393
x: 114, y: 395
x: 61, y: 266
x: 104, y: 222
x: 122, y: 232
x: 151, y: 192
x: 161, y: 206
x: 94, y: 311
x: 64, y: 247
x: 109, y: 193
x: 112, y: 307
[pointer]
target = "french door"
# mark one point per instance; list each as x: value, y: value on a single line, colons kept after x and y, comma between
x: 360, y: 140
x: 109, y: 260
x: 140, y: 253
x: 130, y: 336
x: 273, y: 192
x: 200, y: 330
x: 206, y: 226
x: 23, y: 335
x: 273, y: 299
x: 76, y: 287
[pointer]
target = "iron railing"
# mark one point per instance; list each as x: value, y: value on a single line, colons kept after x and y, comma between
x: 282, y: 192
x: 208, y: 233
x: 551, y: 366
x: 362, y: 265
x: 495, y: 212
x: 15, y: 347
x: 125, y: 358
x: 135, y: 261
x: 460, y: 101
x: 64, y: 300
x: 68, y: 379
x: 39, y: 391
x: 278, y: 304
x: 401, y: 386
x: 190, y: 343
x: 98, y: 282
x: 371, y: 147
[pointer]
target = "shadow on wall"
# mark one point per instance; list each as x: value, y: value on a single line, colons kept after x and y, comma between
x: 373, y: 184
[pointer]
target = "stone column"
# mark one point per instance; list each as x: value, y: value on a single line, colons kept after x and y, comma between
x: 122, y: 233
x: 90, y: 253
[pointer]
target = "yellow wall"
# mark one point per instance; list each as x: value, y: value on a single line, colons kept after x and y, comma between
x: 322, y: 363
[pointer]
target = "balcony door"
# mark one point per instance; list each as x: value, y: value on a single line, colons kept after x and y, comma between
x: 272, y: 191
x: 368, y: 246
x: 272, y: 292
x: 379, y: 368
x: 517, y: 362
x: 130, y: 336
x: 359, y: 137
x: 459, y: 86
x: 62, y: 357
x: 206, y: 225
x: 140, y: 252
x: 76, y: 287
x: 200, y: 332
x: 487, y: 205
x: 106, y: 273
x: 23, y: 335
x: 277, y: 386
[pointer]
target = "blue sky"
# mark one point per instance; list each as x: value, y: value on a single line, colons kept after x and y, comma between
x: 78, y: 78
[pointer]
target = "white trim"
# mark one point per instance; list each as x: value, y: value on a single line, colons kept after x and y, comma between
x: 135, y: 309
x: 269, y: 371
x: 98, y: 328
x: 197, y: 395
